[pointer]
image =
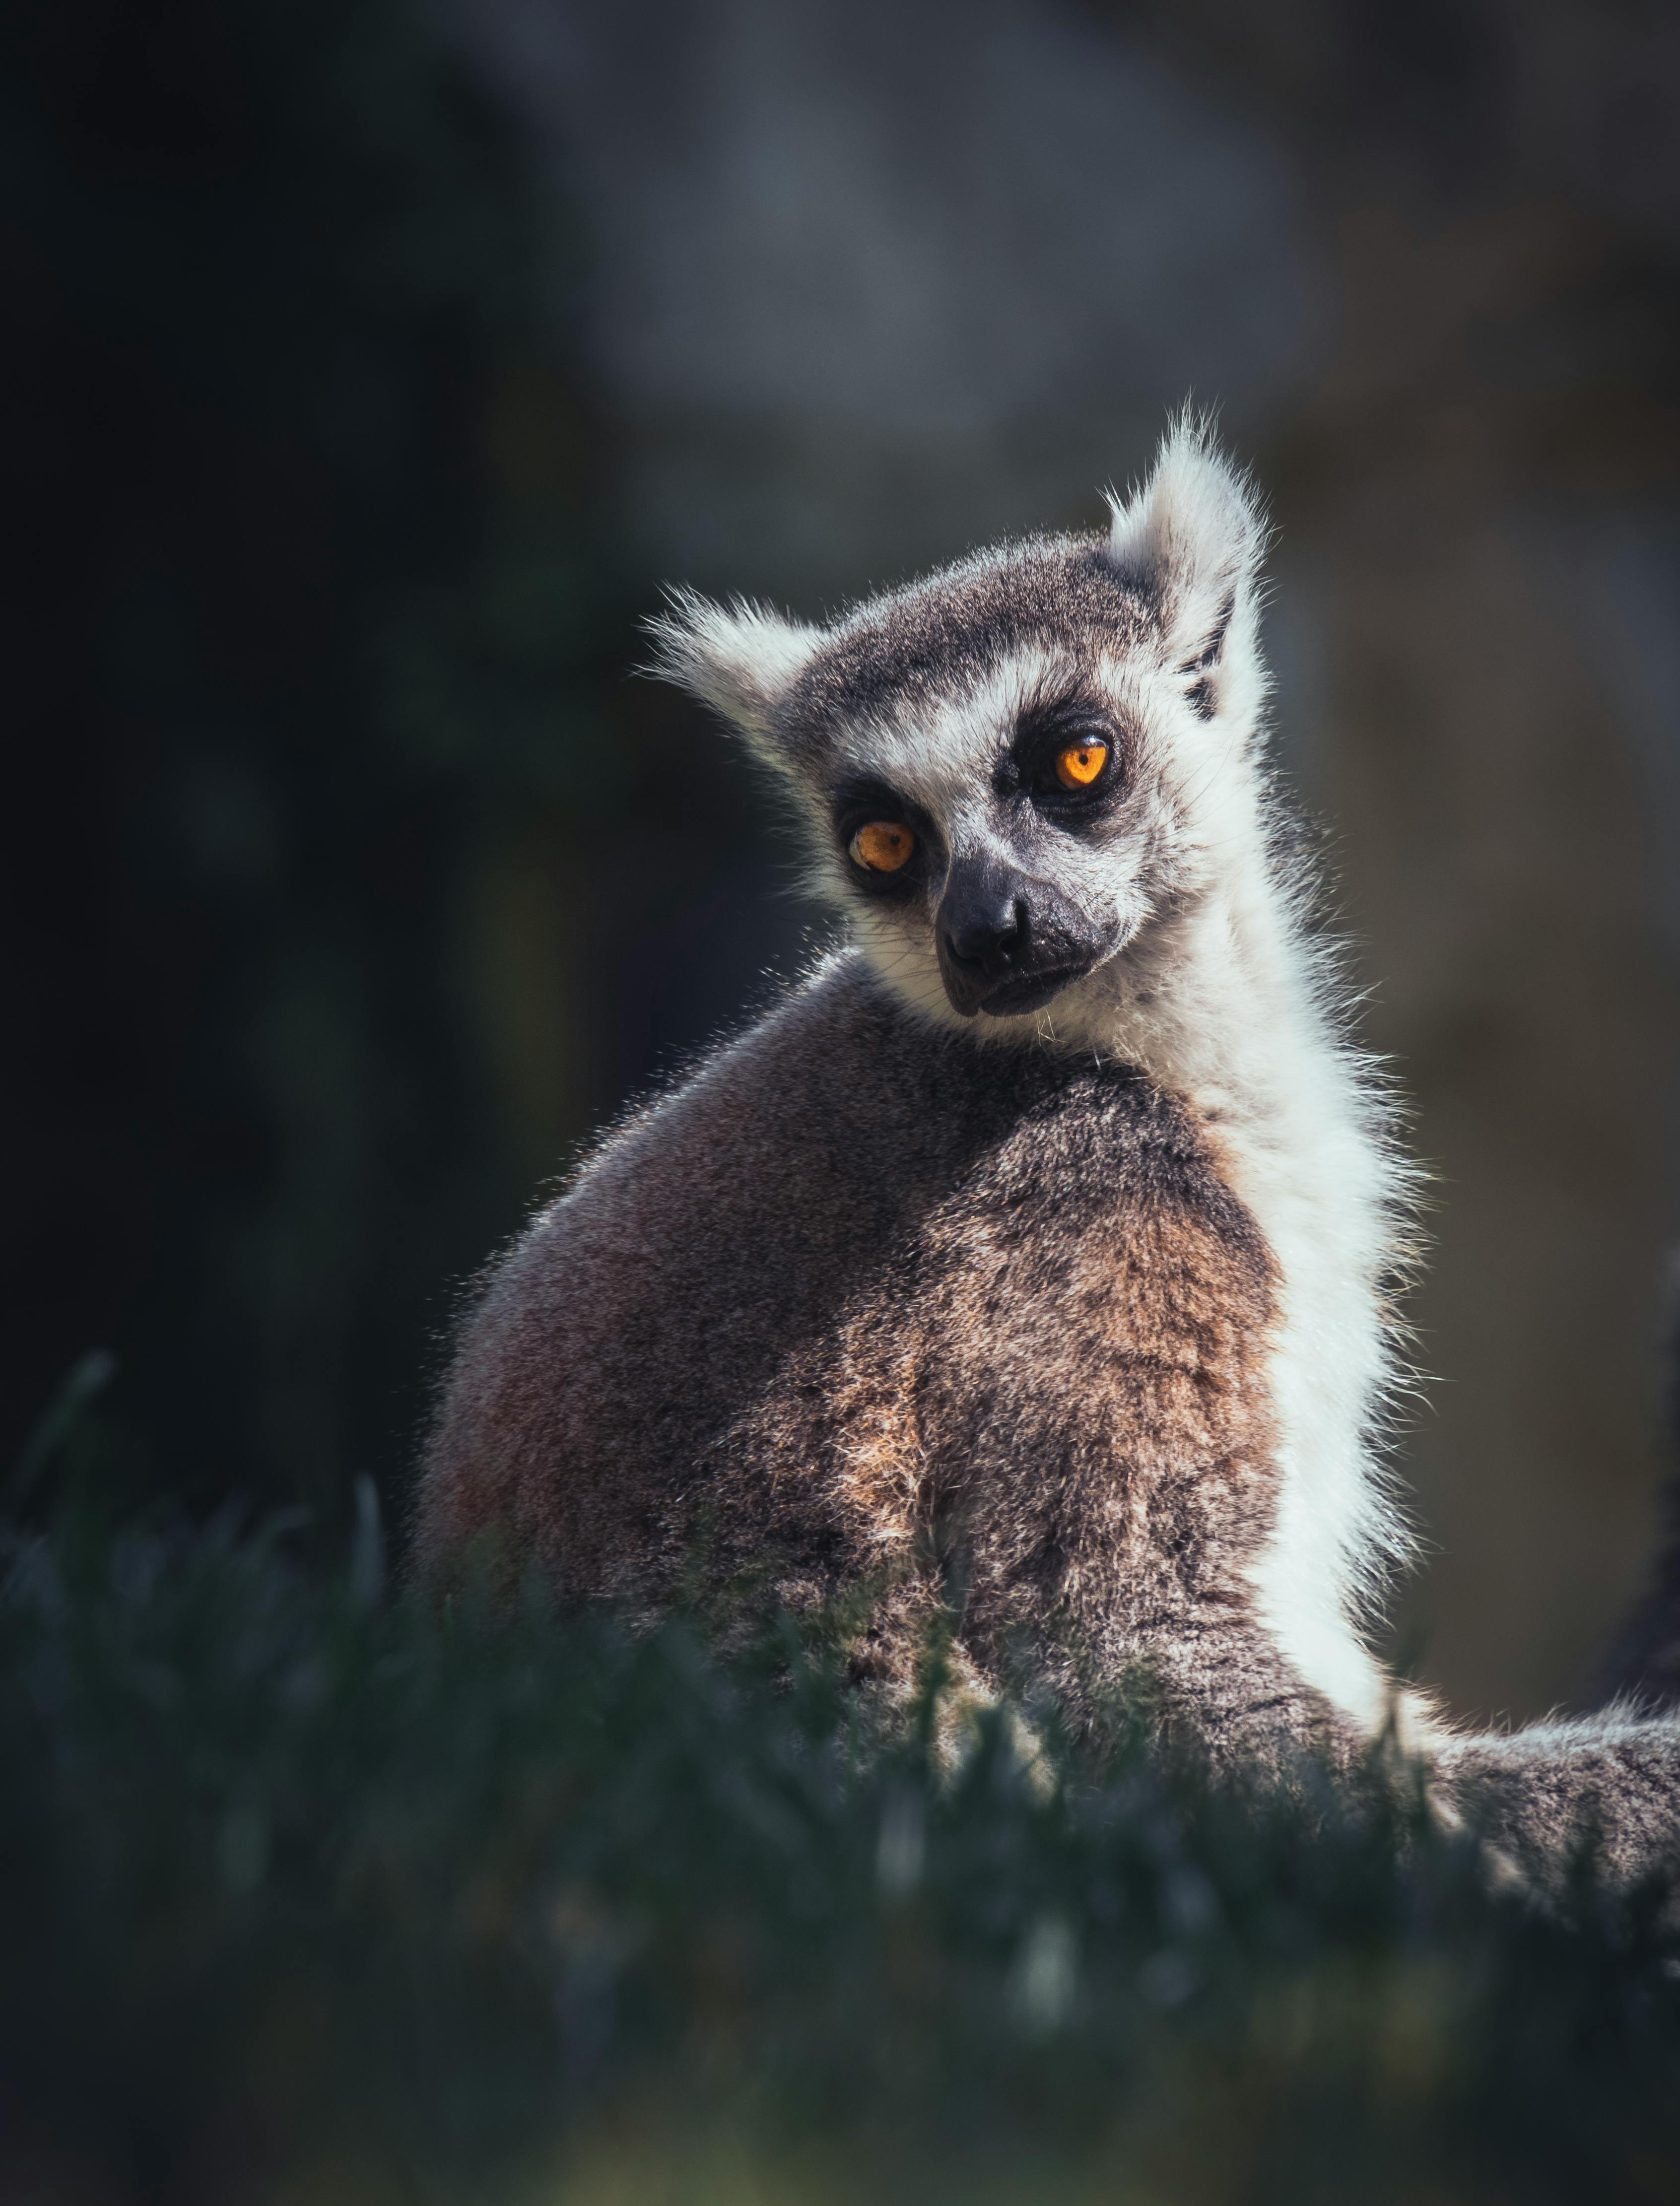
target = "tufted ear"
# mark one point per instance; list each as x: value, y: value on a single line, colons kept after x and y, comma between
x: 1191, y: 541
x: 740, y: 658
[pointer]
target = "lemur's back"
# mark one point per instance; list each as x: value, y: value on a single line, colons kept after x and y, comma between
x: 863, y: 1300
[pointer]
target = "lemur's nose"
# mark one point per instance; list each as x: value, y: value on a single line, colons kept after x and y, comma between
x: 983, y: 919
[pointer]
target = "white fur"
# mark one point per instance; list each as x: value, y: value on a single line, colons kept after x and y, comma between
x: 1195, y: 531
x: 737, y: 658
x: 1238, y: 1024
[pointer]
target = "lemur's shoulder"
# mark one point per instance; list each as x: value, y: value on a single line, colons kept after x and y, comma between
x: 844, y: 1091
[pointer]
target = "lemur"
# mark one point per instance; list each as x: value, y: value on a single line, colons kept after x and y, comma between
x: 1032, y: 1262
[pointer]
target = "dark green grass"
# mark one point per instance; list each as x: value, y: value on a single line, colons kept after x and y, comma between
x: 310, y: 1895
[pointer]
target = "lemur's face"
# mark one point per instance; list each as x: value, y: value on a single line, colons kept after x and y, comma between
x: 999, y: 831
x: 1012, y: 770
x: 998, y: 838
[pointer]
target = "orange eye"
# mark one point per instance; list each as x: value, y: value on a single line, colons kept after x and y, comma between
x: 882, y: 846
x: 1078, y: 766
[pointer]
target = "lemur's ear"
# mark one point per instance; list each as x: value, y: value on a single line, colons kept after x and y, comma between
x: 1191, y: 541
x: 740, y: 658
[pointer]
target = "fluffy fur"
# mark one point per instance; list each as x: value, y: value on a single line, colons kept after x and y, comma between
x: 912, y: 1352
x: 1033, y: 1262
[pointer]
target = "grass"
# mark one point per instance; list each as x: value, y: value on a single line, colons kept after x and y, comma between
x: 310, y: 1895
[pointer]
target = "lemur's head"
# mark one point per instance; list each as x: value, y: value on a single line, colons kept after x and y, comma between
x: 1016, y: 769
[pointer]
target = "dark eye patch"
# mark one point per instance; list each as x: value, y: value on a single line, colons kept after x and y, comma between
x: 855, y: 803
x: 1047, y: 727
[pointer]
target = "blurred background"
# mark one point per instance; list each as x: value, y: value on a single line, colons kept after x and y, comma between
x: 370, y: 364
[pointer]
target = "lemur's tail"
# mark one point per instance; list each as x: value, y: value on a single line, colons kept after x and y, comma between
x: 1611, y: 1777
x: 1643, y: 1664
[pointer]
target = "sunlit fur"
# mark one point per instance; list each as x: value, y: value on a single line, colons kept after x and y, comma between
x: 1215, y: 985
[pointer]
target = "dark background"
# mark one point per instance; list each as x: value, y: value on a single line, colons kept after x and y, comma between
x: 366, y: 370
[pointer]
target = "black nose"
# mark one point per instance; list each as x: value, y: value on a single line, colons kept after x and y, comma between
x: 983, y: 922
x: 1008, y: 943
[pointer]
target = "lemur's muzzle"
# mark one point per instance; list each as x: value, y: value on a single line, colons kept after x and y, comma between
x: 1007, y: 943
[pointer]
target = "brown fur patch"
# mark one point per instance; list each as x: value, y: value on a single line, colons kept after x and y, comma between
x: 988, y: 1324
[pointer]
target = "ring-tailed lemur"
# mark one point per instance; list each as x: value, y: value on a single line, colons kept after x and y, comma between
x: 1039, y: 1244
